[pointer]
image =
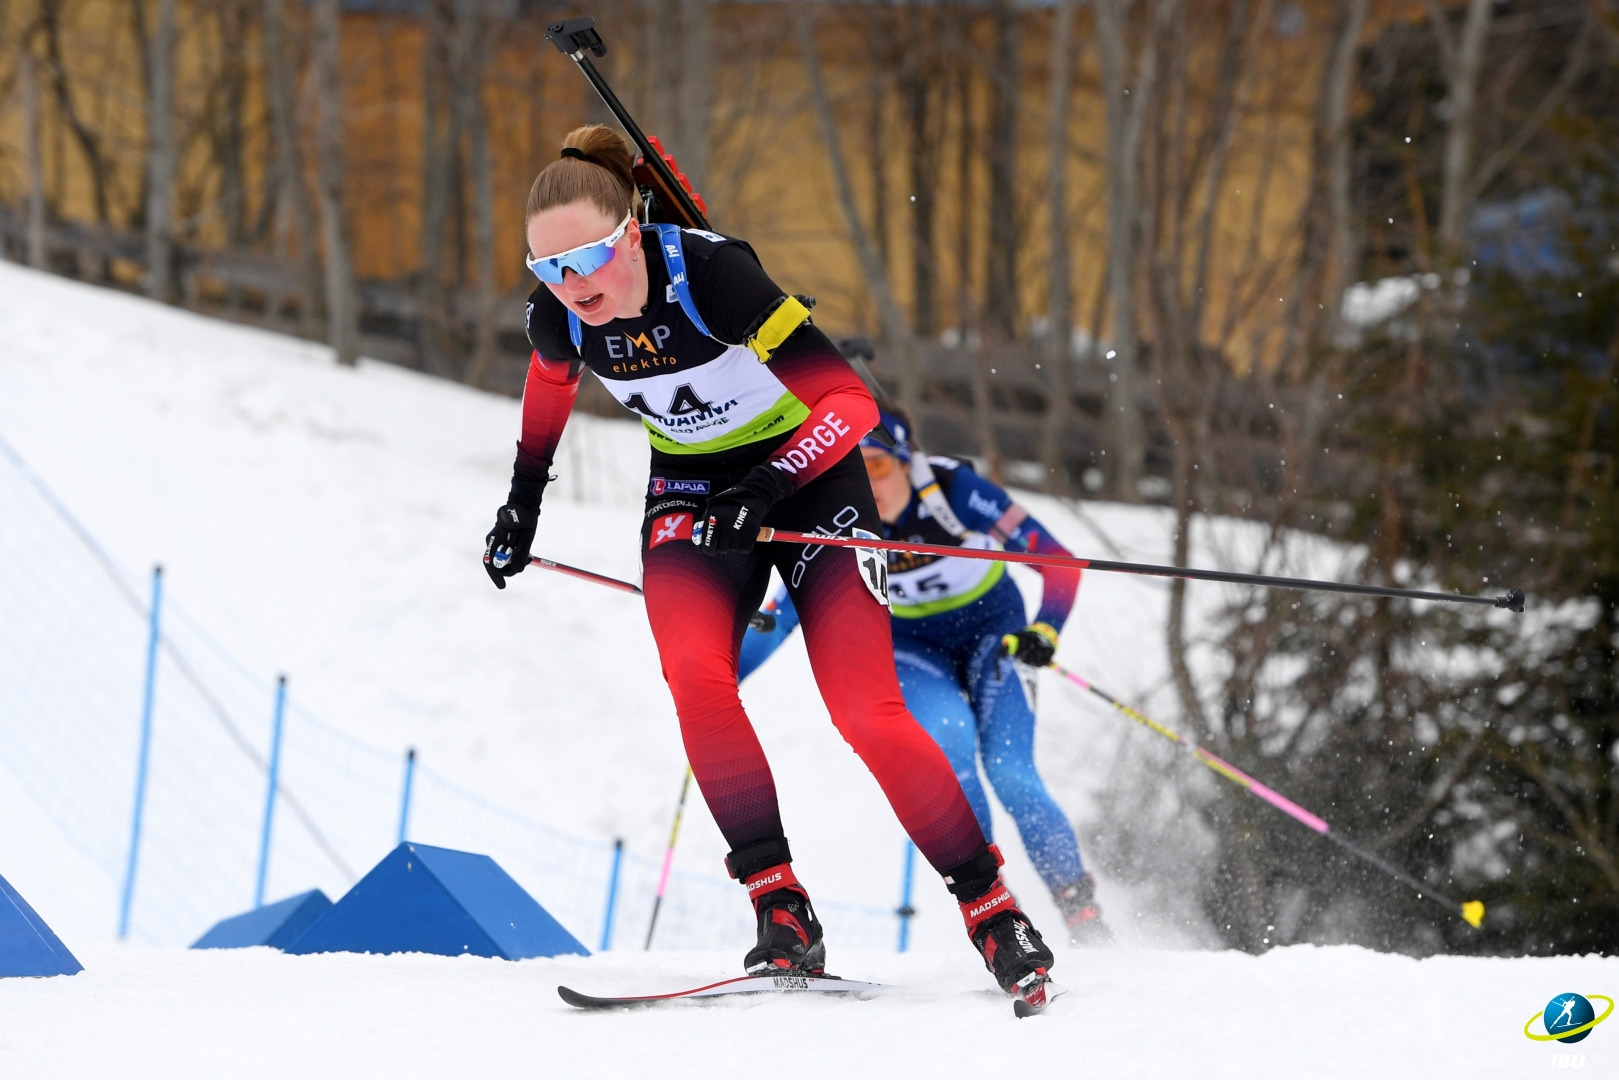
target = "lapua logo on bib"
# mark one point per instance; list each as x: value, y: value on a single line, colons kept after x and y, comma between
x: 660, y: 486
x: 670, y: 527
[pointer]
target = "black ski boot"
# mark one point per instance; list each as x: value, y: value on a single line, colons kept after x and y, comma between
x: 1010, y: 945
x: 1082, y: 913
x: 790, y: 940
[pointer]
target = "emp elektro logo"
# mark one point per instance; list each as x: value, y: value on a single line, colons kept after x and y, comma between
x: 1568, y: 1018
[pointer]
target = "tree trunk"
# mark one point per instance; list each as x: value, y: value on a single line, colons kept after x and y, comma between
x: 1341, y: 266
x: 342, y: 309
x: 889, y: 316
x: 279, y: 83
x: 916, y: 82
x: 1462, y: 78
x: 1059, y: 305
x: 440, y: 132
x: 50, y: 23
x: 35, y: 253
x: 471, y: 39
x: 876, y: 137
x: 1000, y: 289
x: 160, y: 156
x: 230, y: 135
x: 1124, y: 120
x: 696, y: 90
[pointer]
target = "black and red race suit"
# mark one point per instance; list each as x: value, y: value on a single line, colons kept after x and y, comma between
x: 713, y: 411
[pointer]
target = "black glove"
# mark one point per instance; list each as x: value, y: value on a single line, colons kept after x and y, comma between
x: 732, y: 519
x: 505, y: 549
x: 1035, y: 645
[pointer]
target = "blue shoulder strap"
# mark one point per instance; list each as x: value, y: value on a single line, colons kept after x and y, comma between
x: 674, y: 260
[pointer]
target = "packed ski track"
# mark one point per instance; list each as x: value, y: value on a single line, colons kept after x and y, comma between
x: 328, y: 523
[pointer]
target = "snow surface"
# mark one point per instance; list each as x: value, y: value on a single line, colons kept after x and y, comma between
x: 1295, y: 1012
x: 327, y: 523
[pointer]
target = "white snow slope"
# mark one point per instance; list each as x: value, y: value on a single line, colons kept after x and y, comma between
x: 327, y: 523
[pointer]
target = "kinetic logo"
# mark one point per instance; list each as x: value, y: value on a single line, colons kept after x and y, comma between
x: 1568, y: 1018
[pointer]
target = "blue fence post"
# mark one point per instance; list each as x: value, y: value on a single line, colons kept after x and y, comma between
x: 905, y: 910
x: 269, y: 799
x: 144, y: 759
x: 404, y: 804
x: 612, y: 897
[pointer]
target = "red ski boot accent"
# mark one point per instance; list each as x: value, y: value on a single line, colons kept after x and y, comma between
x: 1081, y: 912
x: 1010, y: 945
x: 789, y: 933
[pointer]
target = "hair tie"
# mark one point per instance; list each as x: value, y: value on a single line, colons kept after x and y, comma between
x: 574, y: 152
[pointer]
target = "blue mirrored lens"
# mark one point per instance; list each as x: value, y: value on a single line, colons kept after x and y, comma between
x: 582, y: 261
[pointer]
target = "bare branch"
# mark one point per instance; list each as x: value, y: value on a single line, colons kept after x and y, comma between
x: 1572, y: 70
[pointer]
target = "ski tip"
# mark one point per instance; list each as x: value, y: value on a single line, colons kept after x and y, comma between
x: 585, y: 1001
x: 1032, y: 998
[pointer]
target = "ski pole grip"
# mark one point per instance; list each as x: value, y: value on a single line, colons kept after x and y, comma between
x: 766, y: 535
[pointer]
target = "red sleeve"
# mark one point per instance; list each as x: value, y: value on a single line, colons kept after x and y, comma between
x: 841, y: 409
x: 548, y: 395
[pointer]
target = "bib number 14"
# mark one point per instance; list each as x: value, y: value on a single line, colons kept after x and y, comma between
x: 873, y: 567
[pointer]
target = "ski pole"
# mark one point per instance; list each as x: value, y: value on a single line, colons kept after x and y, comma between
x: 1513, y: 600
x: 762, y: 621
x: 588, y: 575
x: 668, y: 857
x: 1471, y: 912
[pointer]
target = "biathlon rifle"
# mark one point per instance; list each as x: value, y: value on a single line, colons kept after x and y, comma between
x: 665, y: 191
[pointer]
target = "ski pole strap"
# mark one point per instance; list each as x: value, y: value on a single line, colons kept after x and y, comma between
x: 1512, y: 601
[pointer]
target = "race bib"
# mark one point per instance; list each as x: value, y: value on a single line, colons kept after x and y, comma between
x: 873, y: 567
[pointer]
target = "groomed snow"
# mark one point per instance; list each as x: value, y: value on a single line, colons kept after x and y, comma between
x: 328, y: 522
x: 1300, y: 1012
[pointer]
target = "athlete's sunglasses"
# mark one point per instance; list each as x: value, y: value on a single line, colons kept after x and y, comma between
x: 583, y: 260
x: 879, y: 465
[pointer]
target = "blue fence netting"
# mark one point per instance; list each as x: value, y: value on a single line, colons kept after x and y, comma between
x: 74, y: 628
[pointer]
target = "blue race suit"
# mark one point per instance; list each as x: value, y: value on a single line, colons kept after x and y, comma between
x: 949, y: 618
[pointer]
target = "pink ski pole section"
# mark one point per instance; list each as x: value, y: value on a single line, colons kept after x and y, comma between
x: 668, y: 859
x: 1289, y: 807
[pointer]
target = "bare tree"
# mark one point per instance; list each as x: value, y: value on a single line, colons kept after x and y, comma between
x: 342, y: 308
x: 696, y: 92
x: 67, y: 106
x: 1463, y: 62
x: 36, y: 253
x: 889, y: 316
x: 230, y: 129
x: 1126, y: 112
x: 279, y: 82
x: 919, y: 73
x: 470, y: 52
x: 1000, y: 276
x: 440, y: 134
x: 1059, y: 274
x: 160, y: 154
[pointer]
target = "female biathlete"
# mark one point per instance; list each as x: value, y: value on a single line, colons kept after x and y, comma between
x: 753, y: 417
x: 956, y: 621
